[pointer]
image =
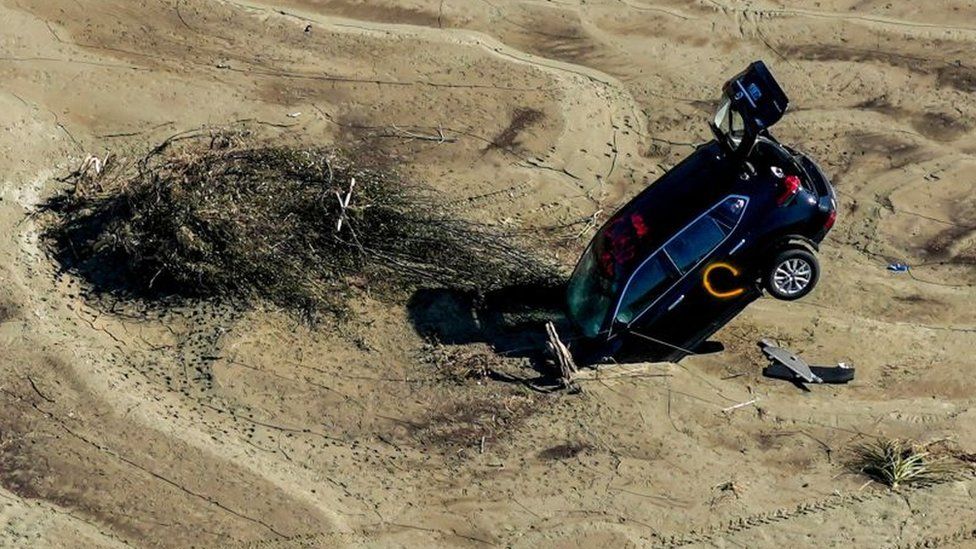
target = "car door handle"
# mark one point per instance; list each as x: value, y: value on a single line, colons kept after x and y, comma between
x: 737, y: 246
x: 676, y: 302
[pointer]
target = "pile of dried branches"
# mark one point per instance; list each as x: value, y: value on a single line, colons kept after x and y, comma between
x: 228, y: 216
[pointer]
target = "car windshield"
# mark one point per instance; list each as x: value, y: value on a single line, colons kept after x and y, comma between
x: 590, y: 295
x: 605, y: 267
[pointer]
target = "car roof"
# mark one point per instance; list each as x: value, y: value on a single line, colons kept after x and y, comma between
x: 679, y: 196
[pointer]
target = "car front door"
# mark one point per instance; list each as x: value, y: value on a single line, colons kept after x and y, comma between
x: 646, y: 286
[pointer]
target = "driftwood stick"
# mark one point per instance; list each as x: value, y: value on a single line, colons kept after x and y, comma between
x: 564, y: 359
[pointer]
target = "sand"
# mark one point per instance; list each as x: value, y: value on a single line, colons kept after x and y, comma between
x: 203, y: 426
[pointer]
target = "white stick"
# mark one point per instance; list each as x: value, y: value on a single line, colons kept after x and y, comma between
x: 343, y: 204
x: 740, y: 405
x: 352, y: 184
x: 342, y: 212
x: 91, y: 162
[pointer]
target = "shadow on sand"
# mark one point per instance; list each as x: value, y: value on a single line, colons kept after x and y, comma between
x: 512, y: 321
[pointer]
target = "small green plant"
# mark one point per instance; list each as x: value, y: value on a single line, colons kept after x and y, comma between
x: 895, y: 462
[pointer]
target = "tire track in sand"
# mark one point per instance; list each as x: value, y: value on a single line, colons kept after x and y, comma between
x: 835, y: 502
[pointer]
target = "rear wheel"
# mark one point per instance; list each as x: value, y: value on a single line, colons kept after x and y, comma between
x: 792, y: 275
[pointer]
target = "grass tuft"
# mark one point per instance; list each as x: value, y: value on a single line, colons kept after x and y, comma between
x: 895, y: 462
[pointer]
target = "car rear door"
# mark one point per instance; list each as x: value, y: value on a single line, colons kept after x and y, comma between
x: 691, y: 257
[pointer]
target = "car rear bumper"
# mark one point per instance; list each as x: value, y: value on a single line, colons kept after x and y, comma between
x: 826, y: 196
x: 817, y: 178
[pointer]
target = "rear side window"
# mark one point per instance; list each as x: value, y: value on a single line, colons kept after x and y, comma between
x: 645, y: 286
x: 729, y: 211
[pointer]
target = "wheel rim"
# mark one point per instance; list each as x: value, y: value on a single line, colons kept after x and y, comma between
x: 792, y: 276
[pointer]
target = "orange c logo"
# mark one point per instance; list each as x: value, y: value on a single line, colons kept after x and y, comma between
x: 708, y: 285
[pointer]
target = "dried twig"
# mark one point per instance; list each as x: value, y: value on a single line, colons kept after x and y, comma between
x: 405, y: 134
x: 591, y: 223
x: 740, y: 405
x: 38, y: 391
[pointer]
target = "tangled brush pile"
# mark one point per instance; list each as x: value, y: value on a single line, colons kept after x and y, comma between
x: 227, y: 216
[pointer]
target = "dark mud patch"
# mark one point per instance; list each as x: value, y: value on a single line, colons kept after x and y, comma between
x: 576, y: 49
x: 898, y: 152
x: 559, y: 34
x: 644, y: 25
x: 879, y: 104
x: 940, y: 126
x: 297, y: 92
x: 32, y: 468
x: 473, y: 422
x: 8, y: 311
x: 956, y: 245
x: 916, y: 299
x: 522, y: 119
x: 136, y: 481
x: 948, y: 75
x: 957, y: 76
x: 833, y: 52
x: 567, y: 450
x: 936, y: 125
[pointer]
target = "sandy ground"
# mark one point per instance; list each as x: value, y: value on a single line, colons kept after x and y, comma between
x: 207, y: 427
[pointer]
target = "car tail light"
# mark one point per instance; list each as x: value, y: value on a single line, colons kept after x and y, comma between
x: 607, y: 264
x: 637, y: 222
x: 791, y: 185
x: 831, y: 217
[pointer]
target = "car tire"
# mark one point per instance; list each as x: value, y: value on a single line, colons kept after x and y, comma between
x: 792, y: 274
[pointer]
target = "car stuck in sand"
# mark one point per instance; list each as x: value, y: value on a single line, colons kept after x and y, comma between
x: 742, y: 214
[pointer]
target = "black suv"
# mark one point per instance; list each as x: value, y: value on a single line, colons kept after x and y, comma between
x: 742, y: 213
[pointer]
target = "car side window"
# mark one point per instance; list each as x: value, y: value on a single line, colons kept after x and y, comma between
x: 644, y: 287
x: 730, y: 211
x: 701, y: 237
x: 695, y: 242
